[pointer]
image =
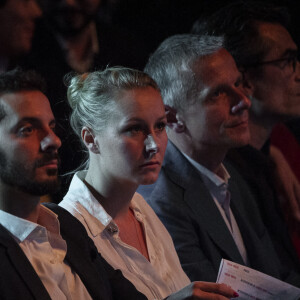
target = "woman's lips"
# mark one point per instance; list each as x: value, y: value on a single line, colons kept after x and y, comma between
x: 150, y: 164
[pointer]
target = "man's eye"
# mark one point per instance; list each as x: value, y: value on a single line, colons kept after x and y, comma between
x: 53, y: 128
x: 238, y: 83
x: 25, y: 130
x: 218, y: 93
x: 291, y: 60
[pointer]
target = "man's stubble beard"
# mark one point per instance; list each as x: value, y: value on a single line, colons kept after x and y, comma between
x: 22, y: 177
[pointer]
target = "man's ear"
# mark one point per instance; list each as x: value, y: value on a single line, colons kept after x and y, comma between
x: 173, y: 120
x: 89, y: 140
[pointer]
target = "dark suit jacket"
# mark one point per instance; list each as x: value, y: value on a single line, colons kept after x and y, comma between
x: 18, y: 279
x: 201, y: 238
x: 258, y: 171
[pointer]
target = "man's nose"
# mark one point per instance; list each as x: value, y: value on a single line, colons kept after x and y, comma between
x: 242, y: 103
x: 50, y: 142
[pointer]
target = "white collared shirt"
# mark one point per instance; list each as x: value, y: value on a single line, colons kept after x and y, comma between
x: 156, y: 279
x: 46, y: 250
x: 217, y: 187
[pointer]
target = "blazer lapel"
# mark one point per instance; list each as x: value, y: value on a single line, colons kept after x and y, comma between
x: 82, y: 254
x: 198, y: 198
x: 23, y: 266
x: 252, y: 229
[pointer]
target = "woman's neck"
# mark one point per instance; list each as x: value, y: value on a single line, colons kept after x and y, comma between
x: 115, y: 197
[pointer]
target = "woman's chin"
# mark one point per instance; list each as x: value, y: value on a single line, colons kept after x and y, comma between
x: 149, y: 180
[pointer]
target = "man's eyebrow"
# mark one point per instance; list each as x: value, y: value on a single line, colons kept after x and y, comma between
x: 29, y: 120
x: 35, y: 121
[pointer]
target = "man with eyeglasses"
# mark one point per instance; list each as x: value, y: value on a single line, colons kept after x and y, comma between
x: 256, y: 34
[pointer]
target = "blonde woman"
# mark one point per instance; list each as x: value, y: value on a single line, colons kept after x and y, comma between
x: 120, y: 118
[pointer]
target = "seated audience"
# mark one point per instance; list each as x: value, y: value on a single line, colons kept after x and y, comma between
x: 120, y: 118
x: 206, y: 205
x: 43, y: 255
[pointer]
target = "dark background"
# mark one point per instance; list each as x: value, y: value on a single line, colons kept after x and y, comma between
x: 154, y: 20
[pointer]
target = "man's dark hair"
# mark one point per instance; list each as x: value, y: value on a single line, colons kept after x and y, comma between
x: 18, y: 80
x: 238, y: 23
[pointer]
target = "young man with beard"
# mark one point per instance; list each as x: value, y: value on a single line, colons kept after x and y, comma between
x: 41, y: 256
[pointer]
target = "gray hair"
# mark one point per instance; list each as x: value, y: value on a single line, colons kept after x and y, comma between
x: 172, y: 66
x: 92, y: 95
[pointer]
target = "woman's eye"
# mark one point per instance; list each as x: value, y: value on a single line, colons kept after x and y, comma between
x: 161, y: 126
x: 134, y: 129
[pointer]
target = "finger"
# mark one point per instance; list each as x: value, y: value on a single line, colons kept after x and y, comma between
x: 209, y: 296
x: 217, y: 288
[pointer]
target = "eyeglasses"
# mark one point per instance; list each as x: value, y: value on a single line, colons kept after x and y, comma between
x: 282, y: 63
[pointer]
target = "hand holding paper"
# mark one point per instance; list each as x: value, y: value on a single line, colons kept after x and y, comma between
x: 252, y: 284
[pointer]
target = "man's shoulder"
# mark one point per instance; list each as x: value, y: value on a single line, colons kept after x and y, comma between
x: 16, y: 270
x: 6, y: 239
x: 162, y: 189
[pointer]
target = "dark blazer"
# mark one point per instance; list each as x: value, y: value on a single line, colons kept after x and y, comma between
x: 258, y: 171
x: 18, y: 279
x: 201, y: 237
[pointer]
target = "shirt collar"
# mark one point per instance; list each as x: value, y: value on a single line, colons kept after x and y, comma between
x: 79, y: 191
x: 21, y: 228
x: 80, y: 194
x: 209, y: 175
x: 216, y: 185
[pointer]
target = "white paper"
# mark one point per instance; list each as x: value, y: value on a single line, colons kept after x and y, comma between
x: 251, y: 284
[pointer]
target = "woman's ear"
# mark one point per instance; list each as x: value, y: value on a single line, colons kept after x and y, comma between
x: 89, y: 140
x: 173, y: 119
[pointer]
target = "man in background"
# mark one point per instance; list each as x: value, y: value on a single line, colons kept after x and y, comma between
x: 257, y: 35
x: 17, y: 25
